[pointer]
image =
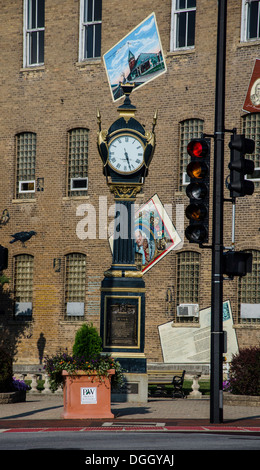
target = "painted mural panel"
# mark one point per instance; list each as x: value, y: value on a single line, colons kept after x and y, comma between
x: 138, y: 58
x: 154, y: 232
x: 155, y: 235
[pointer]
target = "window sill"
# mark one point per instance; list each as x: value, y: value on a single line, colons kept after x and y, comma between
x: 180, y: 52
x: 74, y: 198
x: 87, y: 62
x: 249, y: 42
x: 73, y: 320
x: 21, y: 201
x: 32, y: 68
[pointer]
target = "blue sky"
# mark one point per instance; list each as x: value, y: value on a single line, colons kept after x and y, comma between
x: 144, y: 38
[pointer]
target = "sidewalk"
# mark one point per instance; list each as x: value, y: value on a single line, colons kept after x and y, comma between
x: 45, y: 411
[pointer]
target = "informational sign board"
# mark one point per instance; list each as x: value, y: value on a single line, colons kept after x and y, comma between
x: 191, y: 344
x: 88, y: 395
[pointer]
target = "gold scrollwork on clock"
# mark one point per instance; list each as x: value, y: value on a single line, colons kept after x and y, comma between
x: 125, y: 191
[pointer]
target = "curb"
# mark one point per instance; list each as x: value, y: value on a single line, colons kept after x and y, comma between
x: 140, y: 428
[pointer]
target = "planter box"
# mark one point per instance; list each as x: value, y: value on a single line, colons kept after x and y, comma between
x: 12, y: 397
x: 87, y: 396
x: 241, y: 400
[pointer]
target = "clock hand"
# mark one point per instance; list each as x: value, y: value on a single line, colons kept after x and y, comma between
x: 127, y: 158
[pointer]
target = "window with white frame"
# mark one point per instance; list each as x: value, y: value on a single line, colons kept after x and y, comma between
x: 34, y: 12
x: 189, y: 129
x: 75, y: 284
x: 90, y: 29
x: 251, y: 129
x: 250, y: 20
x: 25, y: 165
x: 183, y: 24
x: 78, y: 162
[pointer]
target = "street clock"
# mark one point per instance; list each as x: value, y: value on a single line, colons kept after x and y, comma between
x: 126, y: 149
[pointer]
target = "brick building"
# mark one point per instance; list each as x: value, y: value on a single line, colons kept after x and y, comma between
x: 52, y: 82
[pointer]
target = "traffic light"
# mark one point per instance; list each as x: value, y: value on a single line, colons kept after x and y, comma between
x: 3, y: 258
x: 198, y: 190
x: 237, y: 263
x: 239, y: 186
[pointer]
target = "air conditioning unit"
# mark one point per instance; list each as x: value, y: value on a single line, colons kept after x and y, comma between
x: 188, y: 310
x: 27, y: 186
x: 79, y: 184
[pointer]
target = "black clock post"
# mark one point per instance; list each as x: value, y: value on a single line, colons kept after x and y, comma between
x: 126, y: 150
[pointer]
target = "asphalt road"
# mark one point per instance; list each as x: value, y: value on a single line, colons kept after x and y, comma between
x: 60, y: 440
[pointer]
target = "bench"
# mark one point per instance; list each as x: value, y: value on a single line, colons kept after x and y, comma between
x: 170, y: 377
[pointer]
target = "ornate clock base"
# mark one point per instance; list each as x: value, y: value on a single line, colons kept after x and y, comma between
x: 122, y: 329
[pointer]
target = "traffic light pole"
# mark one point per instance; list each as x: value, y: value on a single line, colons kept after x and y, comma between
x: 216, y: 360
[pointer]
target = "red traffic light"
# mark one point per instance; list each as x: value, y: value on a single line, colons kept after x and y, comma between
x: 198, y: 148
x: 198, y: 190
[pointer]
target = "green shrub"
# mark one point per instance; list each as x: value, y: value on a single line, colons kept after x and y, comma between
x: 245, y: 372
x: 6, y: 371
x: 88, y: 343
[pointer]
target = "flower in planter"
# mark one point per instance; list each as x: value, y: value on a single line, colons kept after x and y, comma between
x: 99, y: 364
x: 20, y: 385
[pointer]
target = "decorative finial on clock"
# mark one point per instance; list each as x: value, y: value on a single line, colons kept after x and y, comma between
x: 99, y: 119
x: 127, y: 109
x: 155, y: 119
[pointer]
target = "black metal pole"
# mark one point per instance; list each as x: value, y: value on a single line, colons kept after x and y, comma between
x: 216, y: 377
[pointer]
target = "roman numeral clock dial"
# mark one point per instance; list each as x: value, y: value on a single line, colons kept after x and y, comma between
x: 126, y: 154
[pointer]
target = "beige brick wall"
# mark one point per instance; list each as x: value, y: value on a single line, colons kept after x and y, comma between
x: 63, y: 94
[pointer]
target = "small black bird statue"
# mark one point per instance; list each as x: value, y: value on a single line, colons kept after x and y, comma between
x: 22, y: 236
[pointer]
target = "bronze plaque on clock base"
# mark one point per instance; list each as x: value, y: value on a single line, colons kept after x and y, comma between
x: 122, y: 322
x: 122, y: 318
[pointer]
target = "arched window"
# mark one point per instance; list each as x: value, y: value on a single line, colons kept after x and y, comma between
x: 25, y: 165
x: 23, y: 286
x: 249, y: 292
x: 75, y: 284
x: 188, y: 270
x: 78, y: 162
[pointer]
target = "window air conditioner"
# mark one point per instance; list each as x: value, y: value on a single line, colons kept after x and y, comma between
x: 188, y: 310
x: 79, y: 184
x: 27, y: 186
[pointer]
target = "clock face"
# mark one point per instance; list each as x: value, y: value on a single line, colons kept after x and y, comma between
x: 126, y: 153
